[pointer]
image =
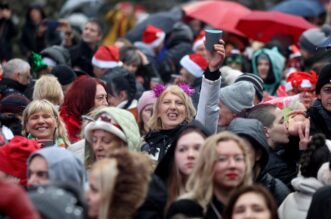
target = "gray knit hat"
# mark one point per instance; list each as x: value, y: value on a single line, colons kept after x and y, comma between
x: 238, y: 96
x: 255, y: 80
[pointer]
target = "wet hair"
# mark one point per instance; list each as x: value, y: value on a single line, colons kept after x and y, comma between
x: 119, y: 80
x: 256, y: 189
x: 314, y: 156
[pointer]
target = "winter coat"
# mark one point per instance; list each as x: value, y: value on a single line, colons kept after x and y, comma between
x: 9, y: 86
x: 320, y: 119
x: 252, y: 130
x: 154, y: 204
x: 8, y: 31
x: 277, y: 62
x: 191, y: 209
x: 178, y: 44
x: 297, y: 203
x: 208, y: 105
x: 157, y: 143
x: 81, y: 57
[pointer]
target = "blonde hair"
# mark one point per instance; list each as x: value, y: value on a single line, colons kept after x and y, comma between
x: 49, y: 88
x: 200, y: 183
x: 46, y: 106
x: 155, y: 122
x: 123, y: 186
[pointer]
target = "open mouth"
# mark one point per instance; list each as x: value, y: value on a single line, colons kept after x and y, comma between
x: 172, y: 116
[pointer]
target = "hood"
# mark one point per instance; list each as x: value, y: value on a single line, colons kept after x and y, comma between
x: 253, y: 131
x: 277, y: 62
x: 180, y: 33
x: 306, y: 185
x: 63, y: 165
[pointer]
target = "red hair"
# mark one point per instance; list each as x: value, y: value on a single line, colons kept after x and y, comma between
x: 79, y: 99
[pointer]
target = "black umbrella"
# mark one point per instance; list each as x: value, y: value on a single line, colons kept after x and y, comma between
x: 164, y: 20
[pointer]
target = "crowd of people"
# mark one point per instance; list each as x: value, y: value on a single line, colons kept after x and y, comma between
x: 161, y: 127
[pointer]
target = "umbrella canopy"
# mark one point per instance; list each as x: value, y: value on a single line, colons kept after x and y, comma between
x: 305, y: 8
x: 163, y: 20
x: 265, y: 25
x: 218, y: 14
x: 88, y: 7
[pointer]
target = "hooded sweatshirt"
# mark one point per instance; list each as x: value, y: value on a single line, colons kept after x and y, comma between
x: 252, y: 130
x: 277, y: 62
x: 63, y: 165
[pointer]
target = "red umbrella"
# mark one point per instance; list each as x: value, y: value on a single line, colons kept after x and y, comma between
x: 264, y: 25
x: 218, y: 14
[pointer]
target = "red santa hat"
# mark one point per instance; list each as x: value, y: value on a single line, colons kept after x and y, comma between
x: 195, y: 64
x: 106, y: 57
x: 199, y: 40
x: 153, y: 36
x: 298, y: 81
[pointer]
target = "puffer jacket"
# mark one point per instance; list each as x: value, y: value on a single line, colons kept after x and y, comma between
x: 297, y: 203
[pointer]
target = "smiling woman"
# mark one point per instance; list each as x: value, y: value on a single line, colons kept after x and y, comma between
x: 42, y: 121
x: 172, y: 110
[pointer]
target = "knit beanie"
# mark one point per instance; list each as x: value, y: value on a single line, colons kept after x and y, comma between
x: 324, y: 78
x: 238, y: 96
x: 53, y: 202
x: 14, y: 156
x: 64, y: 74
x: 255, y: 80
x: 311, y: 39
x: 14, y: 103
x: 195, y: 64
x: 107, y: 57
x: 148, y: 97
x: 117, y: 121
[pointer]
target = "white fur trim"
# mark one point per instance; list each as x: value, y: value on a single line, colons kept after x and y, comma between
x: 106, y: 126
x: 288, y: 86
x: 198, y: 43
x: 158, y: 41
x: 105, y: 64
x: 191, y: 66
x: 306, y: 84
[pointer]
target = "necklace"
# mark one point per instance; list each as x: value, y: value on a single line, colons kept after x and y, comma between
x: 215, y: 210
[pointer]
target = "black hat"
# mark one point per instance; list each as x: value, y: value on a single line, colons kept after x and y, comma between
x: 324, y: 77
x: 64, y: 74
x: 14, y: 103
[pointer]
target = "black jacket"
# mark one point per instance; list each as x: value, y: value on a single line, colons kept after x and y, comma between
x: 320, y: 119
x: 191, y: 209
x: 81, y: 57
x: 153, y: 207
x: 9, y: 86
x: 157, y: 143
